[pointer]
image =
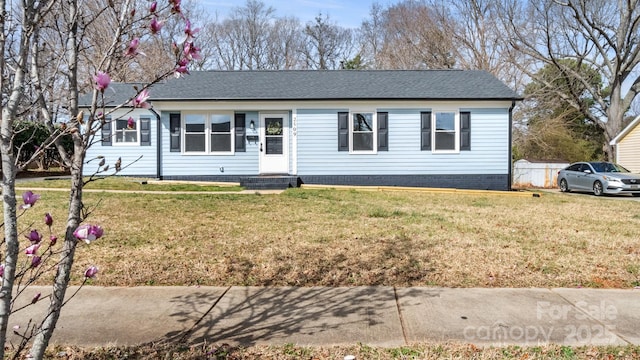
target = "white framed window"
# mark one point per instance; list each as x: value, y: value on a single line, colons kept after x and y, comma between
x: 195, y: 133
x: 208, y: 133
x: 126, y: 132
x: 363, y: 132
x: 446, y: 131
x: 221, y: 133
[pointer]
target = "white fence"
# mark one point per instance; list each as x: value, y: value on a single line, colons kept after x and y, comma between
x: 527, y: 174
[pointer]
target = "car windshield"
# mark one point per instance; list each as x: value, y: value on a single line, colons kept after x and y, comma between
x: 608, y: 167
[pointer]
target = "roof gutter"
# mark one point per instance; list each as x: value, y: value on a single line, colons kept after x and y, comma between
x: 159, y: 144
x: 510, y: 156
x: 333, y: 99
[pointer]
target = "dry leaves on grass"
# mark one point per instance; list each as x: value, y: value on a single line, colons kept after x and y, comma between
x: 347, y: 238
x: 360, y: 351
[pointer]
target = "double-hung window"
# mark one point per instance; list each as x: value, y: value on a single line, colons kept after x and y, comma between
x: 363, y: 133
x: 444, y: 137
x: 132, y: 130
x: 126, y: 132
x: 208, y: 133
x: 446, y: 131
x: 195, y: 133
x: 221, y: 133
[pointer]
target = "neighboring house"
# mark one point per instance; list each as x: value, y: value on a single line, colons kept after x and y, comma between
x: 627, y: 145
x: 433, y: 128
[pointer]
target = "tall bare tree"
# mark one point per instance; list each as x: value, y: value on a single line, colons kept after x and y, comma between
x: 286, y: 43
x: 371, y: 37
x: 327, y: 44
x: 602, y: 34
x: 412, y: 34
x: 254, y: 38
x: 32, y: 13
x: 478, y: 38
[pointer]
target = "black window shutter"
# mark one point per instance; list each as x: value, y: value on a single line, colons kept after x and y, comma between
x: 106, y: 132
x: 465, y: 131
x: 241, y: 131
x: 425, y: 130
x: 145, y: 131
x: 383, y: 131
x: 343, y: 131
x: 174, y: 131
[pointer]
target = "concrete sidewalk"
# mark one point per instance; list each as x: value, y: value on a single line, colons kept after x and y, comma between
x: 376, y: 316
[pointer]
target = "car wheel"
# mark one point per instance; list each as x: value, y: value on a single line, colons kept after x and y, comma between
x: 564, y: 187
x: 597, y: 188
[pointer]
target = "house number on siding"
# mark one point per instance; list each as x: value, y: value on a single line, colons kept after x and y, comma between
x: 294, y: 128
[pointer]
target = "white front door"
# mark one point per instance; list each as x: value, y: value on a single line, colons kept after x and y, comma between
x: 274, y: 143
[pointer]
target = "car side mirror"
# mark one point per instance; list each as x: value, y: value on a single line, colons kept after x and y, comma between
x: 587, y: 171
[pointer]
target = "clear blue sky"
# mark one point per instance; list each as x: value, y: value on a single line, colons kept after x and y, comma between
x: 347, y: 13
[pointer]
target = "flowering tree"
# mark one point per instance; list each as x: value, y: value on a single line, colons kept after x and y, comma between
x: 131, y: 27
x: 41, y: 256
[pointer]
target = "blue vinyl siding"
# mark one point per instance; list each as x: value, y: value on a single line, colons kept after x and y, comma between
x: 317, y: 149
x: 136, y: 160
x: 180, y: 164
x: 318, y: 154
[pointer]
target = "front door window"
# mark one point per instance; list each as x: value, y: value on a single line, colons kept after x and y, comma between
x: 273, y: 136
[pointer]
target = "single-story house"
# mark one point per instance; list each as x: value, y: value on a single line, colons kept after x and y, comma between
x: 431, y: 128
x: 627, y: 145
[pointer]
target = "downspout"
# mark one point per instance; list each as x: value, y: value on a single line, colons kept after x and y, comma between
x: 158, y: 146
x: 510, y: 180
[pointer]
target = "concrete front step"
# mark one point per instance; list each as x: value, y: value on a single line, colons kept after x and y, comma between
x: 273, y: 182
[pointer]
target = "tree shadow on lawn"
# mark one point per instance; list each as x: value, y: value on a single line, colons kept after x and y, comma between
x: 250, y: 316
x: 387, y: 261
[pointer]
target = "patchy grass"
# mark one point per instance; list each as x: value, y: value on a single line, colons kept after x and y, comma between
x: 360, y: 351
x: 132, y: 184
x: 309, y: 237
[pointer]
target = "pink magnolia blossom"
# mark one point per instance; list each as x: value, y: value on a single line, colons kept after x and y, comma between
x: 189, y: 34
x: 156, y: 25
x: 35, y: 298
x: 29, y: 199
x: 91, y: 272
x: 153, y: 7
x: 130, y: 123
x: 175, y: 6
x: 191, y: 52
x: 34, y: 237
x: 48, y: 219
x: 36, y: 261
x: 102, y: 80
x: 181, y: 68
x: 88, y: 233
x: 132, y: 49
x: 32, y: 250
x: 140, y: 101
x: 53, y: 239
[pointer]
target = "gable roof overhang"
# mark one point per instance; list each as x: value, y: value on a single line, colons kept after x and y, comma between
x: 322, y: 85
x: 625, y: 131
x: 334, y: 85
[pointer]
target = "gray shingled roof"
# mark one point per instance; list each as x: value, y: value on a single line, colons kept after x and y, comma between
x: 326, y: 85
x: 115, y: 94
